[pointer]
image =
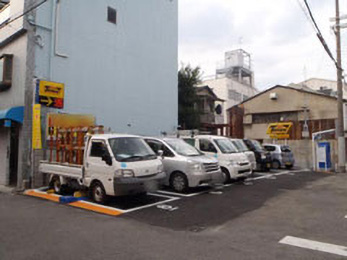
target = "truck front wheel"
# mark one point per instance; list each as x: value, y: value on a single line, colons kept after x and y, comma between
x: 98, y: 193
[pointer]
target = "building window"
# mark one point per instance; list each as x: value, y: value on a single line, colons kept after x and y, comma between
x: 112, y: 15
x: 234, y: 95
x: 244, y: 97
x: 5, y: 71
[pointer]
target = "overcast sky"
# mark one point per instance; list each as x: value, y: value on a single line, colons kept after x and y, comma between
x: 277, y: 34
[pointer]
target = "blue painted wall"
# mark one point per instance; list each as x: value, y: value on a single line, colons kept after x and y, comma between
x: 124, y: 73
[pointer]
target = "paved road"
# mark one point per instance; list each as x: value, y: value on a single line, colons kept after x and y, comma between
x: 245, y: 222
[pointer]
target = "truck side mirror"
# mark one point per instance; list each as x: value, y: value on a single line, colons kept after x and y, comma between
x: 107, y: 158
x: 160, y: 153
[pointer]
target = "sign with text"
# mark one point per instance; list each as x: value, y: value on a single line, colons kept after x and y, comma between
x: 279, y: 130
x: 36, y: 138
x: 51, y: 94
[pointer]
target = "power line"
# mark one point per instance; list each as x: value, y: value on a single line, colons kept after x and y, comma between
x: 320, y: 36
x: 24, y: 13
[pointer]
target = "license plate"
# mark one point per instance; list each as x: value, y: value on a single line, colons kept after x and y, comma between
x: 288, y: 163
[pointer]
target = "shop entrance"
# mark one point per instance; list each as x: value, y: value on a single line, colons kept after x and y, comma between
x: 13, y: 153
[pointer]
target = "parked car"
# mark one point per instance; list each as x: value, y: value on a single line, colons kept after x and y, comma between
x: 242, y: 147
x: 262, y: 157
x: 184, y: 165
x: 234, y: 165
x: 113, y: 165
x: 281, y: 155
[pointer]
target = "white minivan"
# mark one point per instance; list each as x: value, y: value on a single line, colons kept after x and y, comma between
x: 185, y: 166
x: 242, y: 147
x: 234, y: 165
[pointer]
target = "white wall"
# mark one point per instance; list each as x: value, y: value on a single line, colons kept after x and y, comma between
x: 123, y: 74
x: 15, y: 9
x: 15, y: 95
x: 221, y: 87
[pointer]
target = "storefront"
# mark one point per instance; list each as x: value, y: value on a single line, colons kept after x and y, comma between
x: 10, y: 126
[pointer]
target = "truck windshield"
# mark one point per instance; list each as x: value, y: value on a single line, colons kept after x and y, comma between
x: 257, y: 146
x: 131, y: 149
x: 225, y: 146
x: 240, y: 145
x: 182, y: 148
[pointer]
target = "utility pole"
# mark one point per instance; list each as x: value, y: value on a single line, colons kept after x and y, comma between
x: 340, y: 127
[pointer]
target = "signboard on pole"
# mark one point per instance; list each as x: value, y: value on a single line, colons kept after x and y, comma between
x: 51, y: 94
x: 36, y: 138
x: 279, y: 130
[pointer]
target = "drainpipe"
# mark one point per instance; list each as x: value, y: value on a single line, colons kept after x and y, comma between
x: 56, y: 29
x: 55, y: 36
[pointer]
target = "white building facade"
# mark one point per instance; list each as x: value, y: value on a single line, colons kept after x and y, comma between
x: 234, y: 80
x: 117, y: 59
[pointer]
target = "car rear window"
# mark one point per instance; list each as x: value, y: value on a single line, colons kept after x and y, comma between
x: 285, y: 149
x: 270, y: 148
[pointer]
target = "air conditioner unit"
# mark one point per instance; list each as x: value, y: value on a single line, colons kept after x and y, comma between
x: 273, y: 96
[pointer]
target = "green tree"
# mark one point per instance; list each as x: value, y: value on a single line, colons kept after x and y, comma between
x: 188, y: 109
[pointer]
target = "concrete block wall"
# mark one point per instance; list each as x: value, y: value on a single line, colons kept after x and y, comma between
x: 39, y: 178
x: 302, y: 150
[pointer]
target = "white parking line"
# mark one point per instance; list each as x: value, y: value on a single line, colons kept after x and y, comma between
x: 270, y: 175
x: 181, y: 194
x: 150, y: 205
x: 261, y: 177
x: 290, y: 172
x: 314, y: 245
x: 160, y: 195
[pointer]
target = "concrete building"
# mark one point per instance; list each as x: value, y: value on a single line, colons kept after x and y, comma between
x: 308, y: 110
x: 211, y: 118
x: 234, y: 80
x: 325, y: 86
x: 117, y: 59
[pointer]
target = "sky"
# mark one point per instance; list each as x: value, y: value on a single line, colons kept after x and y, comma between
x: 277, y: 33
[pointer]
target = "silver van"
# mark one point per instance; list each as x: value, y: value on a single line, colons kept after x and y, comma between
x: 281, y: 155
x: 184, y: 165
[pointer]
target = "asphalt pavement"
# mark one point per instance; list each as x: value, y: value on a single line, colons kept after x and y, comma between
x: 242, y: 222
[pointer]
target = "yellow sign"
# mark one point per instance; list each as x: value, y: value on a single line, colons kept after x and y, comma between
x: 36, y: 138
x: 51, y: 89
x: 279, y: 130
x: 70, y: 120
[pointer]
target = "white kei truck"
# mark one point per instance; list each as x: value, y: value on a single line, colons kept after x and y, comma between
x: 113, y: 165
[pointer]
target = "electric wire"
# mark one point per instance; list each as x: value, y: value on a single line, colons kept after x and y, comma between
x: 320, y: 36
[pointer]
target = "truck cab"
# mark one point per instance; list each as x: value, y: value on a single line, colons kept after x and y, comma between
x: 234, y: 165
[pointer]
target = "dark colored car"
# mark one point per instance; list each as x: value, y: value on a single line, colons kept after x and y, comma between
x: 262, y: 157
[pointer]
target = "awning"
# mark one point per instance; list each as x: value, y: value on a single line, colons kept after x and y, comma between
x: 13, y: 113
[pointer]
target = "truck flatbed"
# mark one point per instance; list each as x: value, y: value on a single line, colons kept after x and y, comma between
x: 61, y: 169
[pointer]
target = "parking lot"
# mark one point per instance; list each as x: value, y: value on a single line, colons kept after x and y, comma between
x: 162, y: 199
x: 279, y: 215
